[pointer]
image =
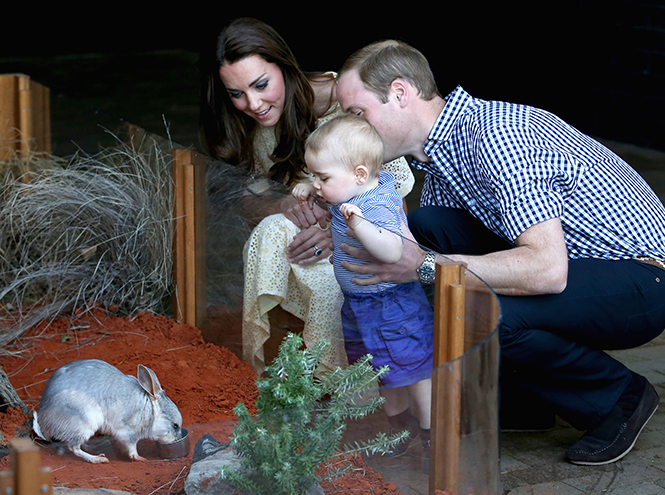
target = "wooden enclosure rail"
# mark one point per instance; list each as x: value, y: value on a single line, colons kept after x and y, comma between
x: 465, y: 313
x: 447, y: 383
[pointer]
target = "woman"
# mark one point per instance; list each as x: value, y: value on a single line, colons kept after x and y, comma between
x: 259, y: 109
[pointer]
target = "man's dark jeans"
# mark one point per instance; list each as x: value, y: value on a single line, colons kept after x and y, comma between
x: 553, y: 345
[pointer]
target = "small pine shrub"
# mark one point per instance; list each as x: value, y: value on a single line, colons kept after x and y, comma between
x: 300, y: 421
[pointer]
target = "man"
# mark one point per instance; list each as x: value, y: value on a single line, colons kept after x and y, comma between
x: 566, y: 233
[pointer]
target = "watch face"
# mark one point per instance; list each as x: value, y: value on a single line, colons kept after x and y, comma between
x: 426, y: 270
x: 427, y: 273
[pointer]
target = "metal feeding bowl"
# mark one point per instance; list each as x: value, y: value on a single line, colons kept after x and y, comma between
x: 179, y: 448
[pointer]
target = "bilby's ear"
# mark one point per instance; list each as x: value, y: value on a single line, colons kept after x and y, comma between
x: 361, y: 174
x: 149, y: 382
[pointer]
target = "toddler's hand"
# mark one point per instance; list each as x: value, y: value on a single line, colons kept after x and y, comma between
x: 301, y: 192
x: 351, y: 213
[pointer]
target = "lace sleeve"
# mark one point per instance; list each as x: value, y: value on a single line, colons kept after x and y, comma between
x: 404, y: 179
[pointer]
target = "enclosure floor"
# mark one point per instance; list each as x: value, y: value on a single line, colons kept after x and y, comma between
x: 224, y: 328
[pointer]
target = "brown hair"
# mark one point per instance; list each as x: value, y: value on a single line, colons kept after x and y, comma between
x: 380, y: 63
x: 229, y: 134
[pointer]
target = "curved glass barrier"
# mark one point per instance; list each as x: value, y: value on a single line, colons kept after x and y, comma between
x: 242, y: 224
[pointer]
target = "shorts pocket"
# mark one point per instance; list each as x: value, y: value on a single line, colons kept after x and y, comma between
x: 407, y: 344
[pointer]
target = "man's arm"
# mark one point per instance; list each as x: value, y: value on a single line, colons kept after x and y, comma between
x: 537, y: 265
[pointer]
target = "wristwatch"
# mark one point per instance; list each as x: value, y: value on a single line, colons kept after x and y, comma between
x: 426, y: 272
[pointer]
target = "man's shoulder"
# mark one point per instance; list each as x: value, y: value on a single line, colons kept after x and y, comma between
x: 496, y: 113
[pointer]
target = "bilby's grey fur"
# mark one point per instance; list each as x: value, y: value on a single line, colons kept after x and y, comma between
x: 86, y: 397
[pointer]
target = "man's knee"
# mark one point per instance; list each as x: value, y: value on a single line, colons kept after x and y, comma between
x: 421, y: 222
x: 452, y: 231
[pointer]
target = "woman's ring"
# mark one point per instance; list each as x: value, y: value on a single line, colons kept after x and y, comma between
x: 317, y: 251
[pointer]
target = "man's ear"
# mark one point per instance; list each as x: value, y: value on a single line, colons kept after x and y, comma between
x: 401, y: 91
x: 362, y: 174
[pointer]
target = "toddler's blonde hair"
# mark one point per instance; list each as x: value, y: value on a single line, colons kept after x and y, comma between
x: 351, y: 139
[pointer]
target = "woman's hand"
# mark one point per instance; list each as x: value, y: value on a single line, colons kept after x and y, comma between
x: 307, y: 243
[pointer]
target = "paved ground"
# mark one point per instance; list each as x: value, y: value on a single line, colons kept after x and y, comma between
x: 533, y: 463
x: 151, y: 89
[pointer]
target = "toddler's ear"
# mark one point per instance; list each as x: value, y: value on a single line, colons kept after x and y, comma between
x: 362, y: 174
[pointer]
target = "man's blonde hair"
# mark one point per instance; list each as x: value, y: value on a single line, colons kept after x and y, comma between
x: 350, y: 139
x: 380, y: 63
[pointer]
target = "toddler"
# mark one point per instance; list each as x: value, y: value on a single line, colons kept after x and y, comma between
x: 392, y: 322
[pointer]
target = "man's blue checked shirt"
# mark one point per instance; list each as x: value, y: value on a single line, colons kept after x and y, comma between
x: 512, y: 166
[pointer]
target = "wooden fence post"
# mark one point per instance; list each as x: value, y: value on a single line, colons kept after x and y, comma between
x: 25, y: 116
x: 189, y: 237
x: 25, y: 476
x: 449, y: 304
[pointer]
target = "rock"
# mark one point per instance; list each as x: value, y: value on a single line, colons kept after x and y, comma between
x: 206, y: 446
x: 203, y: 477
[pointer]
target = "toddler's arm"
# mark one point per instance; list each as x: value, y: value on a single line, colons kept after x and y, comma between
x: 384, y: 245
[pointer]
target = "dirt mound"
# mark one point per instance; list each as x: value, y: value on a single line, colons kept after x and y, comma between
x: 206, y: 381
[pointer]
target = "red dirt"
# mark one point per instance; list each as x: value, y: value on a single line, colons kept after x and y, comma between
x: 206, y: 381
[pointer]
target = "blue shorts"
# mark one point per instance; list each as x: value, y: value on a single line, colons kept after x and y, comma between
x: 396, y: 327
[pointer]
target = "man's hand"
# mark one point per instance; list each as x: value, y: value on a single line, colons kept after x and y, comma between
x: 401, y: 272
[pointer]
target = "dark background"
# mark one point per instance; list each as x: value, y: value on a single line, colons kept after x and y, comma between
x: 599, y: 65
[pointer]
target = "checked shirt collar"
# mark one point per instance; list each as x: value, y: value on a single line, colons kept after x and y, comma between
x: 456, y: 104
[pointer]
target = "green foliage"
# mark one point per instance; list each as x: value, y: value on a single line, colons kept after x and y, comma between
x: 301, y: 419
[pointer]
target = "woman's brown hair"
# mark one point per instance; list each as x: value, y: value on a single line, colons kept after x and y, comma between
x: 229, y: 133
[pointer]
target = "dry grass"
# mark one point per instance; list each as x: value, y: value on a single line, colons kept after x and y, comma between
x: 23, y: 167
x: 95, y: 232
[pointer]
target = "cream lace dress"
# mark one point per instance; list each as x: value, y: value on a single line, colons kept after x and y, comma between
x: 310, y: 292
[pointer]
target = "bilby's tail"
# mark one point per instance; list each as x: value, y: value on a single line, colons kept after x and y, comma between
x: 35, y: 426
